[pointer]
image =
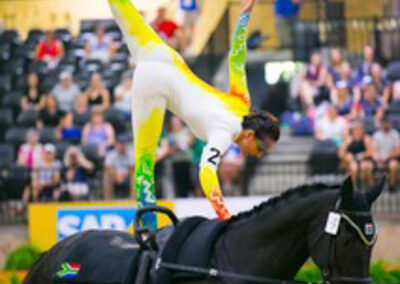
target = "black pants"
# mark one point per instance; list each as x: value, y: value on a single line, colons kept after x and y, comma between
x: 182, y: 176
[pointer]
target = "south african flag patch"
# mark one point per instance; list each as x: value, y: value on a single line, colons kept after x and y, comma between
x: 369, y: 229
x: 69, y: 270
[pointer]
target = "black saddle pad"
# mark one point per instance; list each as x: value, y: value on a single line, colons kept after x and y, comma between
x: 191, y: 244
x: 104, y: 257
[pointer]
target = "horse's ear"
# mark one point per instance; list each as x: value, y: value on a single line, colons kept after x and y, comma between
x: 374, y: 193
x: 347, y: 192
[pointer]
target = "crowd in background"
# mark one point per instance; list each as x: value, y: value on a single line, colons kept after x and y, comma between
x: 353, y: 108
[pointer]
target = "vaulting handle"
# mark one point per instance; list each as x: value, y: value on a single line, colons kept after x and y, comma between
x: 139, y: 231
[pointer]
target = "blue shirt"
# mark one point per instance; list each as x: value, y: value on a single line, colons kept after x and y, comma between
x: 188, y: 5
x: 286, y: 8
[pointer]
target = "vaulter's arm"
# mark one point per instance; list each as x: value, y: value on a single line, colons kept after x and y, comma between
x: 238, y: 51
x: 218, y: 143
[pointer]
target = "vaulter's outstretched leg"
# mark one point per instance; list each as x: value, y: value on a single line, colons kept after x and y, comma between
x: 148, y: 121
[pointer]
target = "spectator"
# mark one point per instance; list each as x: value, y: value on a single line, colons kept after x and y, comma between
x: 32, y: 98
x: 357, y: 152
x: 286, y: 15
x: 96, y: 94
x: 313, y: 78
x: 229, y: 171
x: 180, y: 140
x: 341, y: 98
x: 119, y: 171
x: 190, y: 9
x: 371, y: 104
x: 50, y: 50
x: 167, y: 28
x: 345, y: 75
x: 49, y: 116
x: 66, y: 92
x: 123, y: 95
x: 365, y: 67
x: 67, y: 131
x: 77, y: 173
x: 45, y: 177
x: 331, y: 127
x: 381, y: 84
x: 30, y: 153
x: 336, y: 65
x: 100, y: 46
x: 98, y: 132
x: 387, y: 144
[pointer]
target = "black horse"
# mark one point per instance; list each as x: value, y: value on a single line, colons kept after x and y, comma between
x: 331, y: 224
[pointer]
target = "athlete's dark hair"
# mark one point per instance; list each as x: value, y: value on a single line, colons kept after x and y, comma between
x: 264, y: 125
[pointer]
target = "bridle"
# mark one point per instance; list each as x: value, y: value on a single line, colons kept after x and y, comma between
x: 333, y: 223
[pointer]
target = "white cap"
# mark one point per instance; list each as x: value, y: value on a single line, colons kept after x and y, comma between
x: 49, y: 148
x: 65, y: 75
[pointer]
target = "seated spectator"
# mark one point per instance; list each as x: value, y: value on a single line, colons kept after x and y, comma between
x: 100, y: 46
x: 123, y: 94
x: 67, y: 131
x: 50, y: 50
x: 96, y: 94
x: 331, y: 127
x: 30, y: 153
x: 381, y: 84
x: 371, y: 105
x: 365, y: 67
x: 46, y: 176
x: 336, y: 65
x: 313, y: 78
x: 341, y: 98
x: 32, y: 98
x: 167, y: 29
x: 387, y: 145
x: 49, y: 116
x: 229, y: 171
x: 66, y: 92
x: 119, y: 171
x: 77, y: 173
x: 98, y: 132
x: 180, y: 140
x: 357, y: 152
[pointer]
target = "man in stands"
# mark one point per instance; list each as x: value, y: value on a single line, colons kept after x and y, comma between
x: 387, y: 145
x: 66, y: 92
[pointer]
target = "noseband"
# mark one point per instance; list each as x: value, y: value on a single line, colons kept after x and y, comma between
x: 335, y: 218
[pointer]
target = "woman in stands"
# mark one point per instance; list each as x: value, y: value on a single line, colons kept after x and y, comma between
x: 98, y: 132
x: 32, y: 98
x: 163, y: 81
x: 96, y: 95
x: 357, y: 152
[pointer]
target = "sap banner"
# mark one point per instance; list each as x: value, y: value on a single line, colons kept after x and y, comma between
x: 49, y: 223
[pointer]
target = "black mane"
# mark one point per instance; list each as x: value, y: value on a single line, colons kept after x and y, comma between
x: 303, y: 190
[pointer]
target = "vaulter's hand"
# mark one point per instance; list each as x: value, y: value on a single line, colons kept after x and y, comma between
x: 247, y: 5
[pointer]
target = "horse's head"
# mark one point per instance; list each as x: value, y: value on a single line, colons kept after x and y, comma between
x: 343, y: 244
